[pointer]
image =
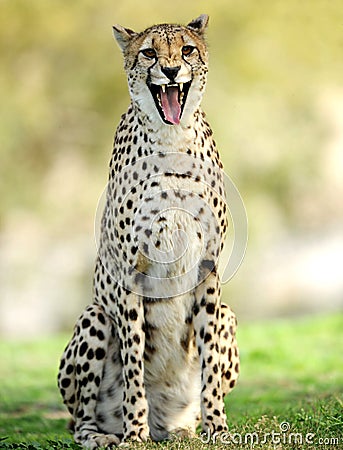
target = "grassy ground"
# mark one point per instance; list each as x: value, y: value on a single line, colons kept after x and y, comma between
x: 292, y: 377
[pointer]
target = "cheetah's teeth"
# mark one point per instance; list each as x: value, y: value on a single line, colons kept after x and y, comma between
x: 163, y: 86
x: 181, y: 87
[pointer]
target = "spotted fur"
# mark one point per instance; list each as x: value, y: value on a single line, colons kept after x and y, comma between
x: 156, y: 350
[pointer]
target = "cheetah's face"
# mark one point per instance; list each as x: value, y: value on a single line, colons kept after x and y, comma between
x: 166, y: 67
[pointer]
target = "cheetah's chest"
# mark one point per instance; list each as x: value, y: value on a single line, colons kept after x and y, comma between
x: 164, y: 216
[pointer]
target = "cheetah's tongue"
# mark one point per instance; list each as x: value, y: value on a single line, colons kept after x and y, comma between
x: 170, y: 104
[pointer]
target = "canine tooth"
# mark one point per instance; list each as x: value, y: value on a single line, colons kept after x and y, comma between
x: 163, y: 87
x: 181, y: 86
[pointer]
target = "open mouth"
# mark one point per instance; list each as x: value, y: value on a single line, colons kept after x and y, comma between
x: 170, y: 100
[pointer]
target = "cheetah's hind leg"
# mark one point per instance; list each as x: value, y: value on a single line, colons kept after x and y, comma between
x: 229, y: 354
x: 80, y: 376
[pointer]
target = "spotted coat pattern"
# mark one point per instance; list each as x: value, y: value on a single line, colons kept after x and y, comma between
x: 156, y: 352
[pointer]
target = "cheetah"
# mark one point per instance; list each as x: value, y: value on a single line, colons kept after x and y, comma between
x: 155, y: 353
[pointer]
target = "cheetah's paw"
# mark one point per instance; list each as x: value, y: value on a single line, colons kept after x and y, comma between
x: 140, y: 435
x: 99, y: 440
x: 181, y: 433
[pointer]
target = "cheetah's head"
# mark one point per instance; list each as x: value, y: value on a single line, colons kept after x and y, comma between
x: 166, y: 66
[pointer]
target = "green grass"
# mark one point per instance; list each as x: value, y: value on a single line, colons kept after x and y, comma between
x: 292, y: 371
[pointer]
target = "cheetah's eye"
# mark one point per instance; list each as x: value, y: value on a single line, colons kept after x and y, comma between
x: 149, y: 53
x: 187, y: 50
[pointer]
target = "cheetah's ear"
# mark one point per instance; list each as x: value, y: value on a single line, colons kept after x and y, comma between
x: 199, y: 24
x: 123, y: 36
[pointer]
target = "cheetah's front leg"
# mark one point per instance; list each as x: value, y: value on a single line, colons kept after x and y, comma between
x: 132, y: 342
x: 206, y: 319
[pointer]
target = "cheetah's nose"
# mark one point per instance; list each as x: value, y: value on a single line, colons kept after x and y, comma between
x: 170, y: 72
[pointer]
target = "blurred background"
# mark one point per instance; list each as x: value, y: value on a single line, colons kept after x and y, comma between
x: 275, y: 102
